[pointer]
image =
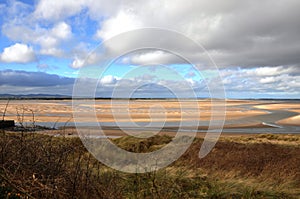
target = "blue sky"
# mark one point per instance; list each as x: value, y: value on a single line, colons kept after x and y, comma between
x: 45, y: 45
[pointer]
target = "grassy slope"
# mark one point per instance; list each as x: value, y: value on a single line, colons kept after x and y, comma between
x: 39, y: 166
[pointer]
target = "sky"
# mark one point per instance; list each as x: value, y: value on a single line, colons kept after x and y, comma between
x: 246, y: 49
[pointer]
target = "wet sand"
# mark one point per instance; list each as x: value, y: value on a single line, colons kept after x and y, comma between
x: 138, y: 111
x: 240, y: 114
x: 295, y: 121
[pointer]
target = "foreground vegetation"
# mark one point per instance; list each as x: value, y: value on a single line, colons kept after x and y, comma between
x: 40, y: 166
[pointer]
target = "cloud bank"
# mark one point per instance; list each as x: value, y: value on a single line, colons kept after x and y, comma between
x: 254, y: 43
x: 245, y: 34
x: 32, y: 79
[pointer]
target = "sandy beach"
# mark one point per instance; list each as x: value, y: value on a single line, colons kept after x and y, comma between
x: 240, y: 114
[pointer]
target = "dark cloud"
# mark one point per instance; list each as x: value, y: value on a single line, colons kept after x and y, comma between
x: 32, y: 79
x: 235, y: 33
x: 255, y: 44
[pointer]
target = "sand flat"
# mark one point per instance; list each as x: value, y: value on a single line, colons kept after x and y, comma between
x: 277, y: 106
x: 295, y: 121
x: 147, y: 111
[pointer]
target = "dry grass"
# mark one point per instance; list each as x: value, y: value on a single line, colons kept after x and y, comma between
x: 278, y: 139
x: 265, y: 162
x: 41, y: 166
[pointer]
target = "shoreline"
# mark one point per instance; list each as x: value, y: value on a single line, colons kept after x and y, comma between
x: 113, y: 133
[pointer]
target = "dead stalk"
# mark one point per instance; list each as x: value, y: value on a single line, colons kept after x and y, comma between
x: 5, y: 109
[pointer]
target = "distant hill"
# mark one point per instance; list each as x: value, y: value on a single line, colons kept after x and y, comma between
x: 34, y: 96
x: 59, y: 97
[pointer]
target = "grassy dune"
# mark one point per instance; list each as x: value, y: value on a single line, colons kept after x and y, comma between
x: 41, y: 166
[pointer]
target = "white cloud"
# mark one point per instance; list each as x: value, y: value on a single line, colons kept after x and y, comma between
x: 229, y: 30
x: 153, y: 57
x: 252, y: 82
x: 19, y: 53
x: 52, y: 51
x: 122, y: 22
x: 86, y: 60
x: 61, y: 30
x: 271, y: 71
x: 77, y: 63
x: 50, y: 40
x: 191, y: 81
x: 108, y: 79
x: 57, y: 9
x: 267, y: 80
x: 261, y: 37
x: 268, y: 71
